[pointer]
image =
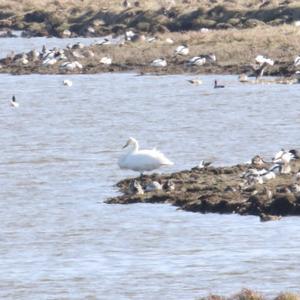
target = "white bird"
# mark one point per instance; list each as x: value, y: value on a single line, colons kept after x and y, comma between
x: 261, y: 60
x: 182, y: 50
x: 49, y: 61
x: 297, y: 61
x: 204, y: 30
x: 71, y: 66
x: 77, y: 54
x: 129, y: 35
x: 106, y: 60
x: 153, y: 186
x: 195, y: 81
x: 197, y: 61
x: 13, y: 102
x: 67, y: 82
x: 283, y: 157
x: 278, y: 154
x: 23, y: 60
x: 269, y: 175
x: 169, y: 41
x: 151, y: 39
x: 35, y: 55
x: 159, y: 62
x: 243, y: 78
x: 90, y: 29
x: 203, y: 164
x: 142, y: 160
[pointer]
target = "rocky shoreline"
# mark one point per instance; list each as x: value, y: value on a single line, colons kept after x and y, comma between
x: 221, y: 190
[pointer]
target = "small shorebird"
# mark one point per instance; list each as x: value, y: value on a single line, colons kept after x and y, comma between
x: 13, y: 102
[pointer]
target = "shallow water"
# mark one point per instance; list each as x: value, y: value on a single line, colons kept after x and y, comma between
x: 18, y: 44
x: 58, y: 164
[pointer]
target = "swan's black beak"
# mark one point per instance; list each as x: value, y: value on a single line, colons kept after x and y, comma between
x: 125, y: 145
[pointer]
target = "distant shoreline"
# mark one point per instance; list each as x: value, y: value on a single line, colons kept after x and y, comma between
x: 230, y: 47
x: 88, y: 18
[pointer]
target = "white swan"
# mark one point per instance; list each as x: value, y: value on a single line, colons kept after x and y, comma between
x: 142, y: 160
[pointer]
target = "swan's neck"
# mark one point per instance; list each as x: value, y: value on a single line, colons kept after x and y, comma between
x: 135, y: 146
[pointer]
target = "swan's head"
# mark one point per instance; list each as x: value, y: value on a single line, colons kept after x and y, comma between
x: 131, y: 141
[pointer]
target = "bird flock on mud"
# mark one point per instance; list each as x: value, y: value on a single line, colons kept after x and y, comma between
x: 259, y: 172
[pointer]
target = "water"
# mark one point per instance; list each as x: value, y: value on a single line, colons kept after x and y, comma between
x: 18, y: 44
x: 58, y: 164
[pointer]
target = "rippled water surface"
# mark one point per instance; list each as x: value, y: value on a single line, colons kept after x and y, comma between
x: 58, y: 164
x: 18, y: 45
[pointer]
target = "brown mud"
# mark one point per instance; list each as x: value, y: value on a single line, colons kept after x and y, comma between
x: 137, y: 57
x: 220, y: 190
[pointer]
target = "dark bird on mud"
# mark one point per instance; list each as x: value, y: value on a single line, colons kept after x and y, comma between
x: 218, y: 86
x: 265, y: 218
x: 135, y: 188
x: 295, y: 152
x: 169, y: 185
x: 126, y: 4
x: 257, y: 160
x: 259, y: 72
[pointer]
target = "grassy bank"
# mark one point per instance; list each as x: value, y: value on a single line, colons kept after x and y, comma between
x: 95, y: 18
x: 235, y: 51
x: 247, y: 294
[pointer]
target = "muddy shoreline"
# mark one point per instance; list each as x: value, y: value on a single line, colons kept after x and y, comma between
x: 129, y: 56
x: 219, y: 190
